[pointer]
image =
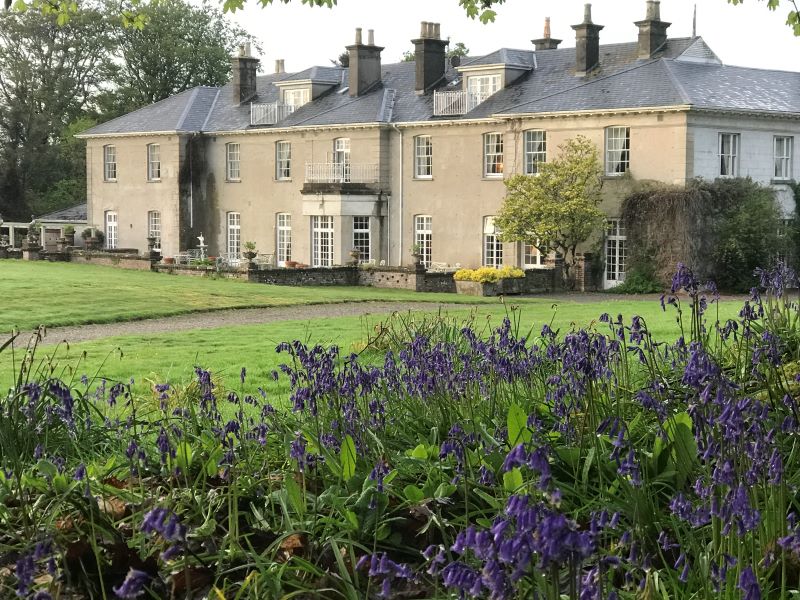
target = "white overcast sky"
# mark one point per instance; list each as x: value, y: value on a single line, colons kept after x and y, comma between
x: 746, y: 35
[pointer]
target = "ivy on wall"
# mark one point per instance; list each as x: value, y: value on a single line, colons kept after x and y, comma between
x: 722, y: 229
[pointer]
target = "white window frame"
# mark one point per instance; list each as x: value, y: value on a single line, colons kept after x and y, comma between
x: 322, y: 241
x: 783, y: 150
x: 154, y: 228
x: 423, y: 237
x: 283, y: 226
x: 492, y: 246
x: 362, y: 238
x: 233, y: 241
x: 530, y: 256
x: 484, y: 85
x: 535, y: 150
x: 112, y: 229
x: 283, y: 161
x: 109, y: 162
x: 616, y: 253
x: 728, y: 157
x: 618, y: 150
x: 296, y: 97
x: 423, y: 157
x: 341, y: 159
x: 233, y: 161
x: 153, y: 162
x: 493, y: 155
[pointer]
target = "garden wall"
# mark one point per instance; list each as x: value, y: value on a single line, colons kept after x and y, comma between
x: 200, y: 271
x: 111, y: 259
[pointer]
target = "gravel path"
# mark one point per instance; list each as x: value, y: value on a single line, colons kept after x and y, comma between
x: 235, y: 316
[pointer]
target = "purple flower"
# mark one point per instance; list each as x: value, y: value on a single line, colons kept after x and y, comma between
x: 166, y: 523
x: 134, y: 584
x: 748, y: 583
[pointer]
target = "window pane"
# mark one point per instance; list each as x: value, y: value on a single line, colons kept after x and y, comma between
x: 109, y: 163
x: 153, y: 162
x: 361, y: 238
x: 283, y: 160
x: 423, y: 157
x: 154, y: 228
x: 233, y: 155
x: 617, y: 150
x: 493, y: 154
x: 783, y: 157
x: 111, y: 229
x: 234, y: 236
x: 284, y: 238
x: 616, y: 252
x: 322, y: 241
x: 728, y: 154
x: 535, y: 151
x: 423, y: 237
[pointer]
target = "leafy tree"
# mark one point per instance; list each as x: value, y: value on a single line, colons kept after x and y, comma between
x: 792, y: 18
x: 343, y: 60
x: 557, y: 209
x: 48, y: 74
x: 183, y: 46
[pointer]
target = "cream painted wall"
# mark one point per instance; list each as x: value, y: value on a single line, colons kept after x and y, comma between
x: 131, y: 196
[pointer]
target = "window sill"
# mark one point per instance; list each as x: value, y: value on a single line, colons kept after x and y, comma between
x: 109, y: 181
x: 493, y: 177
x: 282, y: 180
x: 614, y: 175
x: 153, y: 181
x: 233, y: 181
x: 780, y: 181
x: 423, y: 178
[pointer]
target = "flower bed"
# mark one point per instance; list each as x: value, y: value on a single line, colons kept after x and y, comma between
x: 489, y: 281
x: 597, y: 464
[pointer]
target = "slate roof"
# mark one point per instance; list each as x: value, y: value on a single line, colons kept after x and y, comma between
x: 684, y: 72
x: 75, y: 214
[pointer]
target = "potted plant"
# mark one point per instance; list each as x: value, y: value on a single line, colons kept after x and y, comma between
x: 489, y: 281
x: 69, y: 235
x: 416, y: 254
x: 249, y: 250
x: 355, y: 255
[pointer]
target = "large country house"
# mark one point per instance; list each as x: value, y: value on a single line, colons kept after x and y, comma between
x: 386, y: 157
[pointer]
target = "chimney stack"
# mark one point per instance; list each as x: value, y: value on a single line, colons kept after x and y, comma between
x: 587, y: 43
x: 546, y: 42
x: 244, y: 68
x: 365, y: 64
x: 429, y: 56
x: 652, y: 31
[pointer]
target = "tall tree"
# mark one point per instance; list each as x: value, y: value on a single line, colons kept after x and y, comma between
x: 181, y: 47
x: 558, y: 208
x: 49, y: 70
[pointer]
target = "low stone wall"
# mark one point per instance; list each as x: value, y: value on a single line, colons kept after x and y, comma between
x: 540, y: 281
x: 200, y: 271
x: 111, y: 259
x: 314, y: 276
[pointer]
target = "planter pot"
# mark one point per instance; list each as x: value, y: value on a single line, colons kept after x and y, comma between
x: 70, y: 238
x: 291, y: 264
x: 249, y: 255
x: 168, y: 260
x: 504, y: 287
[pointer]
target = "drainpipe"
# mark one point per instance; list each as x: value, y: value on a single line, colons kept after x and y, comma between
x: 400, y: 193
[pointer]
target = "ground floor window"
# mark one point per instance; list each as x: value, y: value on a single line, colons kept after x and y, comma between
x: 423, y: 238
x: 234, y: 236
x: 154, y: 228
x: 492, y: 246
x: 322, y: 241
x: 361, y: 238
x: 616, y: 252
x: 284, y: 242
x: 531, y: 257
x: 111, y: 229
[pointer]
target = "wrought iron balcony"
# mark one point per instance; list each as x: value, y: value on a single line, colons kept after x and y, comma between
x: 331, y: 172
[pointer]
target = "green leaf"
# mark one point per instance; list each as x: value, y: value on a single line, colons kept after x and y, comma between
x: 184, y: 455
x: 512, y: 480
x: 684, y: 448
x: 47, y: 468
x: 420, y: 452
x: 295, y: 494
x: 348, y: 457
x: 352, y: 518
x: 518, y: 432
x: 413, y: 494
x: 445, y: 490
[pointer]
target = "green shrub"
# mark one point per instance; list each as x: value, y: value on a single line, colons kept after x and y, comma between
x: 488, y: 274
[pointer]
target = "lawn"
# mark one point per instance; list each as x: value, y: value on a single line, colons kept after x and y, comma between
x: 171, y: 356
x: 55, y: 294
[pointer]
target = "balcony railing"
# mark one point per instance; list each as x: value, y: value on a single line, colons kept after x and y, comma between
x: 270, y: 113
x: 341, y: 173
x: 447, y: 104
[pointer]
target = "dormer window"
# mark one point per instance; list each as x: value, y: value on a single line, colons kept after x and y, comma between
x: 483, y: 85
x: 297, y: 97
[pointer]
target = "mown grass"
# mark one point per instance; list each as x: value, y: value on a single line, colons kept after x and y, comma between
x: 169, y: 357
x: 53, y: 294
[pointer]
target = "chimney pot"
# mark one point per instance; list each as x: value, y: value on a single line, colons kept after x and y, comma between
x: 371, y: 37
x: 587, y: 13
x: 247, y: 49
x: 241, y: 50
x: 429, y: 56
x: 547, y: 42
x: 437, y: 31
x: 547, y: 28
x: 423, y: 29
x: 358, y: 36
x: 365, y: 64
x: 653, y: 10
x: 652, y: 30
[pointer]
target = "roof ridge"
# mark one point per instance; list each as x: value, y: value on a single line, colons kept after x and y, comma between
x: 583, y: 84
x: 676, y: 82
x: 211, y: 110
x: 187, y: 108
